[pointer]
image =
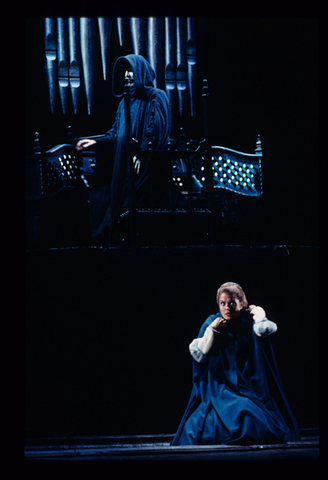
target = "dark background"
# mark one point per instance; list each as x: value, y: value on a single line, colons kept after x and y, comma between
x: 107, y: 333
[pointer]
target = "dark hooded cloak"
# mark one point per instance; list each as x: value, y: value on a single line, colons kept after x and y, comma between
x: 150, y: 122
x: 237, y: 396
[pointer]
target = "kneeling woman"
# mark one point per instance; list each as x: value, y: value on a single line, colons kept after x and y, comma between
x: 237, y: 396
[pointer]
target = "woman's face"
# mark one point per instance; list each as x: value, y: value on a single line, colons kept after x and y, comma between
x: 230, y: 306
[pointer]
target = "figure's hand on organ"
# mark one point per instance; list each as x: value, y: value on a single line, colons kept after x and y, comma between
x: 85, y: 143
x: 219, y: 324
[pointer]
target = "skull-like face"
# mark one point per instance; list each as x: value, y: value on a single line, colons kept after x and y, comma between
x: 128, y: 76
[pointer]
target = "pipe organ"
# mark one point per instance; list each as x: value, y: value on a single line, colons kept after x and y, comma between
x: 211, y: 179
x: 168, y: 44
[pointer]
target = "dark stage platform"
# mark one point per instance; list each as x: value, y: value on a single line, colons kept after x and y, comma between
x: 90, y: 309
x: 157, y: 447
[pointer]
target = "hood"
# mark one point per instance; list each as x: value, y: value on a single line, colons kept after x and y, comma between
x: 143, y: 75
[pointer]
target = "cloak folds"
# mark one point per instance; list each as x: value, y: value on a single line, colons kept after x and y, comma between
x: 150, y: 121
x: 237, y: 395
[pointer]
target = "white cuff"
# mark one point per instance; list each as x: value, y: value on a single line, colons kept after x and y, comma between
x: 264, y: 328
x: 197, y: 354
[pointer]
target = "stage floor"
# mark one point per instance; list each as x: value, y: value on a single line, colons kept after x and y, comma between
x: 157, y: 447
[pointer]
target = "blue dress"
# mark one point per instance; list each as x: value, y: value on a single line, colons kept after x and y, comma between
x: 237, y: 396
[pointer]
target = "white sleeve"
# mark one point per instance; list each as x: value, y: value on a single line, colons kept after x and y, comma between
x: 264, y: 328
x: 200, y: 347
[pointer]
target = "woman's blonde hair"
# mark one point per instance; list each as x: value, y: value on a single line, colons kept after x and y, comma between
x: 232, y: 288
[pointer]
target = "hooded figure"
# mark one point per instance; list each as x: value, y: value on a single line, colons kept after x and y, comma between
x: 150, y: 122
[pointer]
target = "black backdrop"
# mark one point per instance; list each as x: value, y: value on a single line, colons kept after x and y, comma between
x: 107, y: 333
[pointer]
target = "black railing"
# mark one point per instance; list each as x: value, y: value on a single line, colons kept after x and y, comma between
x: 187, y: 177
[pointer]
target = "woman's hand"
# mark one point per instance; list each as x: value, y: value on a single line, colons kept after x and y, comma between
x: 258, y: 314
x: 85, y: 143
x: 219, y: 324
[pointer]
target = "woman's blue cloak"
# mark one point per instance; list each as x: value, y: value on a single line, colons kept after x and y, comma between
x: 237, y: 396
